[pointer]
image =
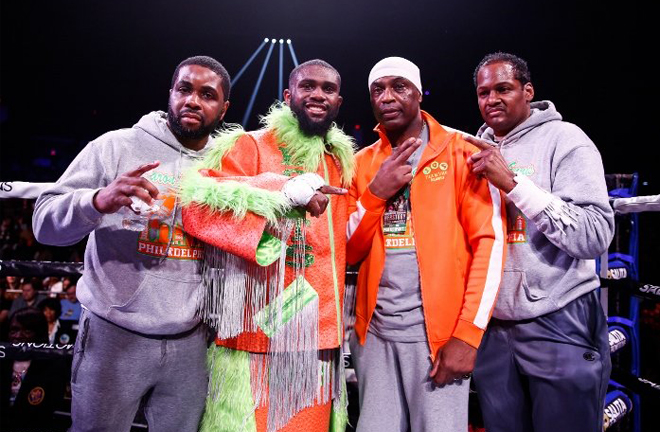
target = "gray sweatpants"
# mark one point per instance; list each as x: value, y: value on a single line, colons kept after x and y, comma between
x: 114, y: 369
x: 547, y: 374
x: 396, y: 393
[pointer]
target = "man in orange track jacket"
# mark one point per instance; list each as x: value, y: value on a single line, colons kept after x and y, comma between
x: 430, y: 239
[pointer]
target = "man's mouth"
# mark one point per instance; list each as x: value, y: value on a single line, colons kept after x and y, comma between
x: 316, y: 109
x: 191, y: 118
x: 390, y: 113
x: 491, y: 112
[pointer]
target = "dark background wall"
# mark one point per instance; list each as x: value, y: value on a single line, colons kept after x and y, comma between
x: 74, y: 69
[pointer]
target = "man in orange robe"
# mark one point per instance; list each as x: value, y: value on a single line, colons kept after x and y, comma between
x: 274, y: 277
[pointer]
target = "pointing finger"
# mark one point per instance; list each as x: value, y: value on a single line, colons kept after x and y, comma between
x: 478, y: 143
x: 475, y: 158
x: 327, y: 189
x: 142, y: 169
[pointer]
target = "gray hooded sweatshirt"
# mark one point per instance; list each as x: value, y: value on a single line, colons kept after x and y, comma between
x: 558, y: 216
x: 143, y: 281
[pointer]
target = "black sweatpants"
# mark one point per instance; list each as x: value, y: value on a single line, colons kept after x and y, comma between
x: 547, y: 374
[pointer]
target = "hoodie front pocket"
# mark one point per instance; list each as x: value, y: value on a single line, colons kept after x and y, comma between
x: 159, y: 306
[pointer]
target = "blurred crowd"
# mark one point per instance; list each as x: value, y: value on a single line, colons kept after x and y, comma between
x: 17, y: 240
x: 44, y: 312
x: 54, y: 297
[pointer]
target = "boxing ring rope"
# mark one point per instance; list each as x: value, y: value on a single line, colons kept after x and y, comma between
x: 40, y: 268
x: 23, y: 190
x: 648, y: 203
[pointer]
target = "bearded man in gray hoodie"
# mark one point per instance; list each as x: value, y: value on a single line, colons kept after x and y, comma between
x: 544, y: 362
x: 139, y: 338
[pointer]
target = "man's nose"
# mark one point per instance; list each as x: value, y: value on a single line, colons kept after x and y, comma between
x: 387, y: 96
x: 192, y: 100
x: 317, y: 94
x: 493, y: 98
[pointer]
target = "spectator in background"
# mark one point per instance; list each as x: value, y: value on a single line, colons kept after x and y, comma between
x: 70, y: 305
x: 8, y: 238
x: 17, y: 239
x: 30, y: 388
x: 28, y: 248
x: 29, y: 296
x: 53, y: 286
x: 12, y: 283
x: 52, y: 310
x: 5, y: 306
x: 56, y: 286
x: 6, y: 299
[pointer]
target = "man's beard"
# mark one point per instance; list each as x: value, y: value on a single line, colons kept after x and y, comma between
x: 310, y: 127
x: 180, y: 131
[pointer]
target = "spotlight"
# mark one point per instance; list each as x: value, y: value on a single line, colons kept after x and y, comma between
x: 234, y: 79
x: 281, y: 41
x: 288, y: 41
x: 273, y: 41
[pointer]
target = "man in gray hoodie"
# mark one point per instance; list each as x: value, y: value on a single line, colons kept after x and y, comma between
x: 139, y: 339
x: 544, y: 362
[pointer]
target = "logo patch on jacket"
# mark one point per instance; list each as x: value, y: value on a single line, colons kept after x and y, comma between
x: 435, y: 171
x: 526, y: 170
x: 36, y: 396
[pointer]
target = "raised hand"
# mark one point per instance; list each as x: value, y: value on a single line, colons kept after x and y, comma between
x: 118, y: 193
x: 394, y: 173
x: 490, y: 163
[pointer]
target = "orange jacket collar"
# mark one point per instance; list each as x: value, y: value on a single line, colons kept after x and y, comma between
x: 436, y: 132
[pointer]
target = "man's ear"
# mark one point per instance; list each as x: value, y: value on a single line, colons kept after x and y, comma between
x: 224, y: 110
x: 287, y: 96
x: 529, y: 91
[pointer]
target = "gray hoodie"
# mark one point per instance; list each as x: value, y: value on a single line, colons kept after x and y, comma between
x: 558, y: 222
x: 143, y: 281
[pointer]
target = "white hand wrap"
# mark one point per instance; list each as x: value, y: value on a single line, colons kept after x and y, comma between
x: 300, y: 189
